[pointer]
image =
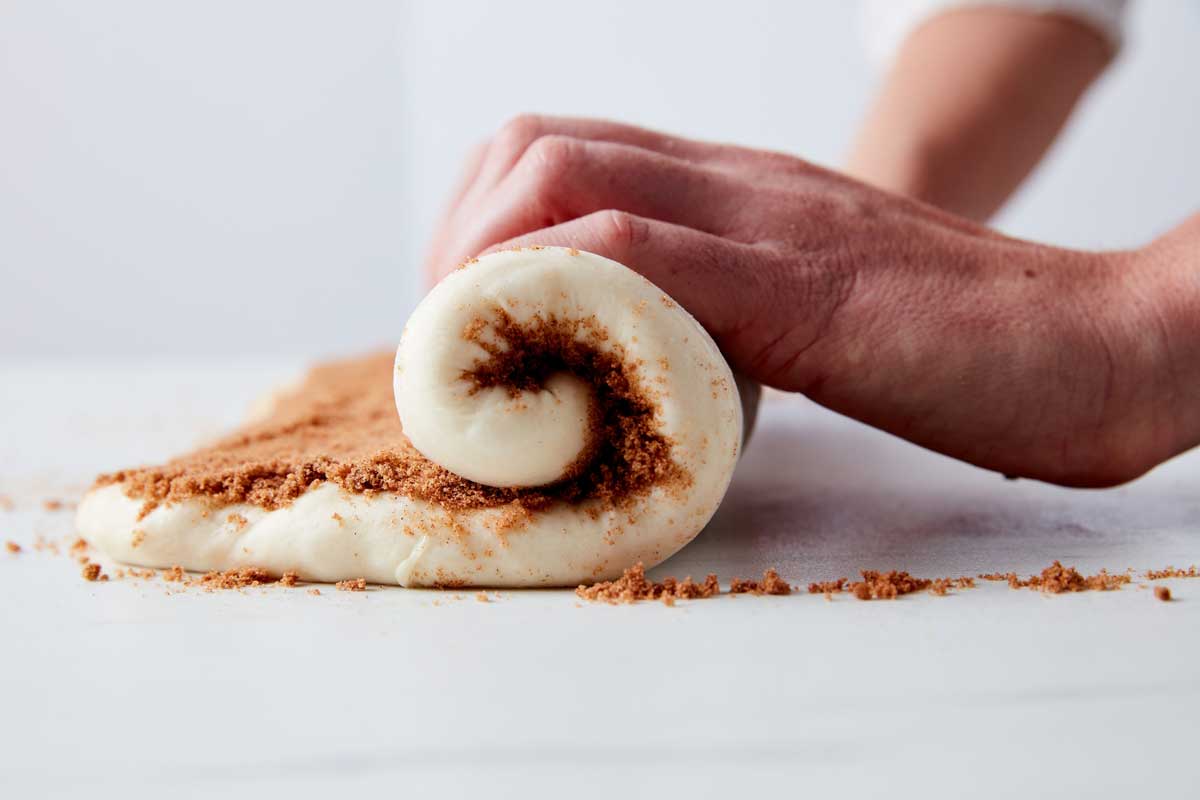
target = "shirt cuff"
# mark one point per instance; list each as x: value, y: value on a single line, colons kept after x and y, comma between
x: 887, y: 23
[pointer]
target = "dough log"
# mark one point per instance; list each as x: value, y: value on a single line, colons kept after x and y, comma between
x: 559, y: 419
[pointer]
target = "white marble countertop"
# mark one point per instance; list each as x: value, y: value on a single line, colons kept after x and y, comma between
x: 121, y: 689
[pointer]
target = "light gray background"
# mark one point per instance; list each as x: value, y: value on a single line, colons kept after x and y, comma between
x: 259, y: 177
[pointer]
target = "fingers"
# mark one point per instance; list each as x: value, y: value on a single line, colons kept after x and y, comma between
x: 715, y: 279
x: 559, y: 179
x: 510, y: 143
x: 517, y: 140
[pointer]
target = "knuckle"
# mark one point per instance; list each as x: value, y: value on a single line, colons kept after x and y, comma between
x: 620, y: 230
x: 546, y: 167
x: 517, y: 134
x: 550, y: 157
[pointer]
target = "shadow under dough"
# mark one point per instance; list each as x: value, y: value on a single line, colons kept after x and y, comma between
x: 821, y: 496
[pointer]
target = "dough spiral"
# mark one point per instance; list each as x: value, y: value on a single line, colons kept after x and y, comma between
x: 562, y: 418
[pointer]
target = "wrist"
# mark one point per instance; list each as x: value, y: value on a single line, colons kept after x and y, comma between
x: 1164, y: 282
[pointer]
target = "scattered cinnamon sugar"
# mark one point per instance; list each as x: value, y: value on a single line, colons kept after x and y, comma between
x: 340, y: 426
x: 1162, y: 593
x: 1171, y: 572
x: 771, y: 583
x: 353, y: 585
x: 137, y: 538
x: 828, y: 587
x: 238, y: 578
x: 482, y: 598
x: 237, y: 521
x: 91, y: 572
x: 315, y: 592
x: 52, y: 504
x: 633, y: 586
x: 886, y: 585
x: 12, y: 547
x: 289, y: 579
x: 942, y: 586
x: 174, y: 575
x: 41, y: 545
x: 1057, y: 579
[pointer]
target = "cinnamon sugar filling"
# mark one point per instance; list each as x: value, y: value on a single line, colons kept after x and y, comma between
x: 625, y: 453
x: 340, y: 426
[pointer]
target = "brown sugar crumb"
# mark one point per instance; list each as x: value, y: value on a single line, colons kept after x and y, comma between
x: 942, y: 586
x: 91, y: 572
x: 239, y: 578
x: 828, y: 587
x: 1162, y: 593
x: 688, y: 590
x: 771, y: 583
x: 887, y: 585
x: 1057, y: 579
x: 54, y: 505
x: 336, y: 517
x: 482, y: 598
x: 137, y: 538
x: 353, y: 585
x: 289, y: 579
x: 633, y: 586
x: 237, y: 521
x: 41, y: 545
x: 315, y: 592
x: 1171, y: 572
x: 12, y: 547
x: 174, y: 575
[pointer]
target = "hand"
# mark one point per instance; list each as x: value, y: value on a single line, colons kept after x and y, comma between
x: 1071, y: 367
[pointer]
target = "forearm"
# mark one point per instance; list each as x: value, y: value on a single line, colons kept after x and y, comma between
x: 972, y: 102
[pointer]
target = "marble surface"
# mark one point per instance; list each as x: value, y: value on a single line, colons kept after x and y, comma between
x: 120, y: 689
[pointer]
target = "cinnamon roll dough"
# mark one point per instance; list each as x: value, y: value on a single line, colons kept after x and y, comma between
x: 559, y: 419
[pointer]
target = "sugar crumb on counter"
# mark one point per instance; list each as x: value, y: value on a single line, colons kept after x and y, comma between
x: 633, y: 586
x: 771, y: 584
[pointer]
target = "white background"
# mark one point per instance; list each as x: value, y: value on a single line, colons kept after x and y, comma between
x: 259, y: 177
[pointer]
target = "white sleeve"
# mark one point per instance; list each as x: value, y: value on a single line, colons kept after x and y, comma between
x: 887, y: 23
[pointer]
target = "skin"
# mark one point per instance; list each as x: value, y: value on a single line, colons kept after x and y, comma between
x: 972, y: 101
x: 1070, y: 367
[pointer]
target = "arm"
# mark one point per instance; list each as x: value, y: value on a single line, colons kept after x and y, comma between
x: 973, y: 100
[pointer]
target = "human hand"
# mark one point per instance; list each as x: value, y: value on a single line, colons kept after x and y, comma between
x: 1030, y: 360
